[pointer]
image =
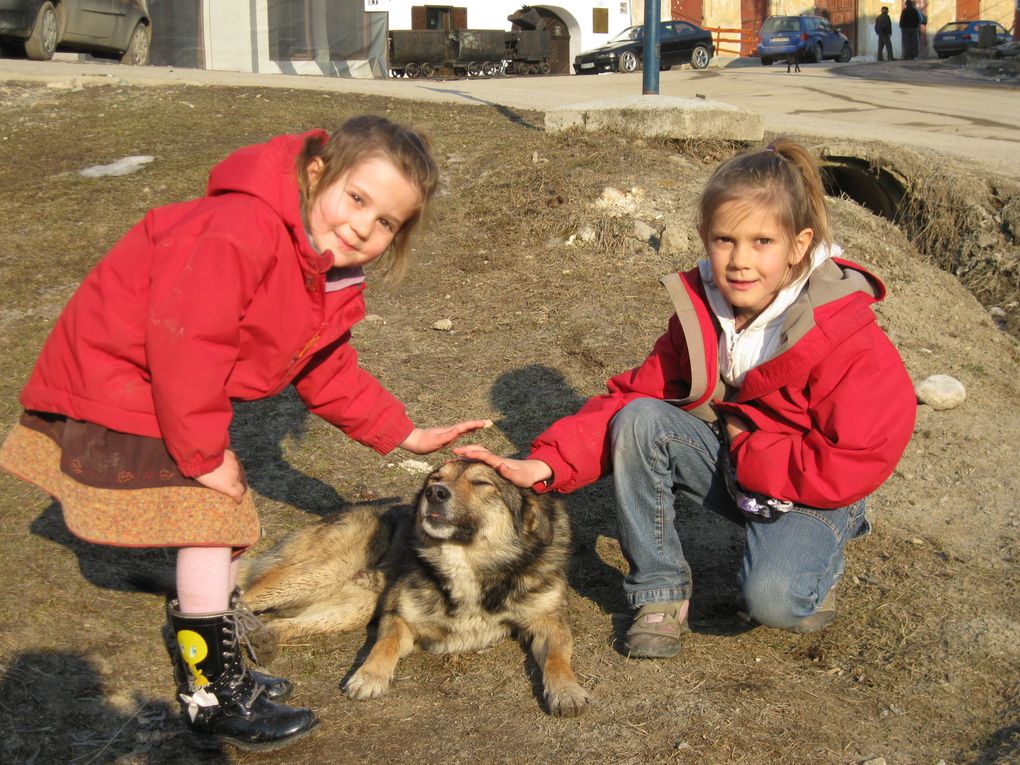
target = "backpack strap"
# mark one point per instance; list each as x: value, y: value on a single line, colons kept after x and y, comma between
x: 695, y: 349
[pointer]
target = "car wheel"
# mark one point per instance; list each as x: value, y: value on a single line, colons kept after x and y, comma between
x: 42, y: 43
x: 700, y: 57
x: 628, y: 61
x: 766, y: 61
x: 846, y: 54
x: 137, y: 53
x: 818, y: 53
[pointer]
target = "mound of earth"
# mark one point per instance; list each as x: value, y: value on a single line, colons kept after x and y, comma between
x: 549, y: 285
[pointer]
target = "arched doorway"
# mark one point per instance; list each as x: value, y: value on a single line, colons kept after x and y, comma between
x: 559, y: 34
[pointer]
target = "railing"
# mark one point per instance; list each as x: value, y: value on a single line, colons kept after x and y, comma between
x: 727, y: 40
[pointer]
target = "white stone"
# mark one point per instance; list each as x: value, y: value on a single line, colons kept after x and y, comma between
x: 941, y: 392
x: 443, y: 325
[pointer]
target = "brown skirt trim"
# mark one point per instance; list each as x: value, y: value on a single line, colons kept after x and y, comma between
x: 187, y: 515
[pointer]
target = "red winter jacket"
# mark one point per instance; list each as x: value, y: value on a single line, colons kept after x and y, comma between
x: 203, y: 302
x: 831, y: 413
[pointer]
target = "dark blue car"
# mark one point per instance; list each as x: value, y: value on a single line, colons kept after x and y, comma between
x: 958, y: 36
x: 807, y: 38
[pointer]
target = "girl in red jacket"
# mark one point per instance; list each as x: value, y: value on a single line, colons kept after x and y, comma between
x: 233, y: 296
x: 773, y: 399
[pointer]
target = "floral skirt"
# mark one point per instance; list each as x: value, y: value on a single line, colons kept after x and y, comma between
x: 121, y: 489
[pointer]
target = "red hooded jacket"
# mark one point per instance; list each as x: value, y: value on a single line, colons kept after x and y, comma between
x: 831, y: 413
x: 203, y: 302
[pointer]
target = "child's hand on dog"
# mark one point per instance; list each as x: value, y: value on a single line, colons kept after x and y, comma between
x: 523, y: 473
x: 428, y: 440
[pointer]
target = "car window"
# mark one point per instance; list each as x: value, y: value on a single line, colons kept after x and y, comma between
x: 683, y: 29
x: 1000, y: 30
x: 955, y: 26
x: 780, y: 24
x: 666, y: 31
x: 630, y: 33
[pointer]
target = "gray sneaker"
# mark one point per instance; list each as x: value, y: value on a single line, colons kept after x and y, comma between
x: 655, y: 631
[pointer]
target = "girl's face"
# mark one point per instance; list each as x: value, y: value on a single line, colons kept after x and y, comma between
x: 751, y: 256
x: 357, y: 216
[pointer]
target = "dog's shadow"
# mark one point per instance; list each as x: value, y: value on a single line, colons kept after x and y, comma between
x: 532, y: 398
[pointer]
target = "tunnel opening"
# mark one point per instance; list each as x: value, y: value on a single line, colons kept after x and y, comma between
x: 874, y: 188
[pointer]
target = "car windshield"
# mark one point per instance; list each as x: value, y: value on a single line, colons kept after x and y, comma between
x: 630, y: 33
x: 780, y: 24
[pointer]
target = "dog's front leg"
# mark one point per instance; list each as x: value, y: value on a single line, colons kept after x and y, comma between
x: 393, y: 641
x: 552, y: 645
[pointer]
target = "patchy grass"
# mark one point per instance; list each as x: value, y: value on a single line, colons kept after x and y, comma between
x: 920, y: 666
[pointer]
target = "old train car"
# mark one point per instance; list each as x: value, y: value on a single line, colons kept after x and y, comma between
x: 467, y: 53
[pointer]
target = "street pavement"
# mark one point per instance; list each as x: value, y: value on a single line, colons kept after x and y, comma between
x: 920, y: 104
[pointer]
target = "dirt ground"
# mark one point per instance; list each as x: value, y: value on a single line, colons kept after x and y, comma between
x: 548, y: 295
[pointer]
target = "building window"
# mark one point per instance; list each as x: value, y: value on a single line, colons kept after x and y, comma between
x: 600, y: 21
x: 444, y: 18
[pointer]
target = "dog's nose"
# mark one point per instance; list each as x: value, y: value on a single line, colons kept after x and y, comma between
x: 437, y: 493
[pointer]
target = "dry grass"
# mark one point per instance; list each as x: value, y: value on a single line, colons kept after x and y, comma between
x: 920, y: 666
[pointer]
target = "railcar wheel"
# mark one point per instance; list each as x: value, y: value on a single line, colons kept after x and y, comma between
x: 412, y: 69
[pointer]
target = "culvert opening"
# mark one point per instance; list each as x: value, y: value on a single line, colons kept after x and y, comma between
x: 876, y: 189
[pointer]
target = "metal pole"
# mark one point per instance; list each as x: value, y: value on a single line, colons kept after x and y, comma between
x: 650, y: 82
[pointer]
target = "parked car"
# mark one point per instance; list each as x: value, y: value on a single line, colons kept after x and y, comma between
x: 809, y: 38
x: 118, y: 28
x: 957, y: 36
x: 680, y: 42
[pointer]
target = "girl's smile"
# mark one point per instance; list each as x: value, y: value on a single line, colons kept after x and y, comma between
x: 357, y: 217
x: 751, y: 255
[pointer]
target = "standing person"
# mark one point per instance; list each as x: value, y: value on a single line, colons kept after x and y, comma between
x: 910, y: 30
x: 232, y: 296
x: 883, y: 28
x: 773, y: 399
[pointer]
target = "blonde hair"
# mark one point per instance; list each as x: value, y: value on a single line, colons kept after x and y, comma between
x: 367, y: 137
x: 783, y: 178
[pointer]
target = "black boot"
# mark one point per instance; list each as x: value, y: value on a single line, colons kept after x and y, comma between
x: 260, y: 645
x: 220, y: 699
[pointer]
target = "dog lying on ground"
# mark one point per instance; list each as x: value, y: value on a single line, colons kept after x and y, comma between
x: 474, y: 561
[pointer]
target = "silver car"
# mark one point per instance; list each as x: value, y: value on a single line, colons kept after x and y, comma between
x: 120, y: 28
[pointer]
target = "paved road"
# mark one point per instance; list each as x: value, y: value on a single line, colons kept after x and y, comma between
x: 923, y: 104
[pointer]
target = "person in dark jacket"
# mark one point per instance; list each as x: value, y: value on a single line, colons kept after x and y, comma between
x: 773, y: 399
x: 910, y: 30
x: 883, y: 28
x: 229, y: 297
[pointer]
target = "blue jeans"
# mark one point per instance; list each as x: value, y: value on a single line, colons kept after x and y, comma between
x: 789, y: 564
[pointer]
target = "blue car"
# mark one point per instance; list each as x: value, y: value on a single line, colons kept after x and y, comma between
x: 807, y: 38
x: 958, y: 36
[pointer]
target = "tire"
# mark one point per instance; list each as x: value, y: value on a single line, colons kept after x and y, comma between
x: 700, y: 57
x: 412, y: 70
x: 628, y: 61
x: 817, y: 57
x: 544, y: 68
x: 766, y: 61
x: 42, y: 43
x: 137, y: 53
x: 427, y: 70
x: 846, y: 54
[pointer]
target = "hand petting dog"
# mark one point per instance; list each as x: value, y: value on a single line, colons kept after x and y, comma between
x: 428, y: 440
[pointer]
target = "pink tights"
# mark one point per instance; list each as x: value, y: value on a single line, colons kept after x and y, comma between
x: 205, y: 578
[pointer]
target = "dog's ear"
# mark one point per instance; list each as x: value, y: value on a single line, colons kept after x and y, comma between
x: 535, y: 516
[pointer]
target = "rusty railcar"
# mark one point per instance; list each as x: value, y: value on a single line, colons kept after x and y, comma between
x: 467, y: 53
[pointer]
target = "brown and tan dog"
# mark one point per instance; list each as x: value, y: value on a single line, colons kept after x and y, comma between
x: 475, y: 561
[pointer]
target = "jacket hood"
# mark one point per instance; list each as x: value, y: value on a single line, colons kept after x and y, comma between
x: 268, y: 171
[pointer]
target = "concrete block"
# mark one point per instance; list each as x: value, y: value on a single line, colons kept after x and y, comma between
x: 659, y: 117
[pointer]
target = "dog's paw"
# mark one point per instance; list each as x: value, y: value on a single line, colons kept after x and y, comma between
x: 365, y: 684
x: 567, y: 701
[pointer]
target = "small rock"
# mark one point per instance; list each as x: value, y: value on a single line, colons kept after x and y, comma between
x: 443, y: 325
x: 874, y: 761
x: 644, y: 232
x: 373, y: 317
x: 941, y: 392
x: 587, y: 234
x: 675, y: 240
x: 416, y: 466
